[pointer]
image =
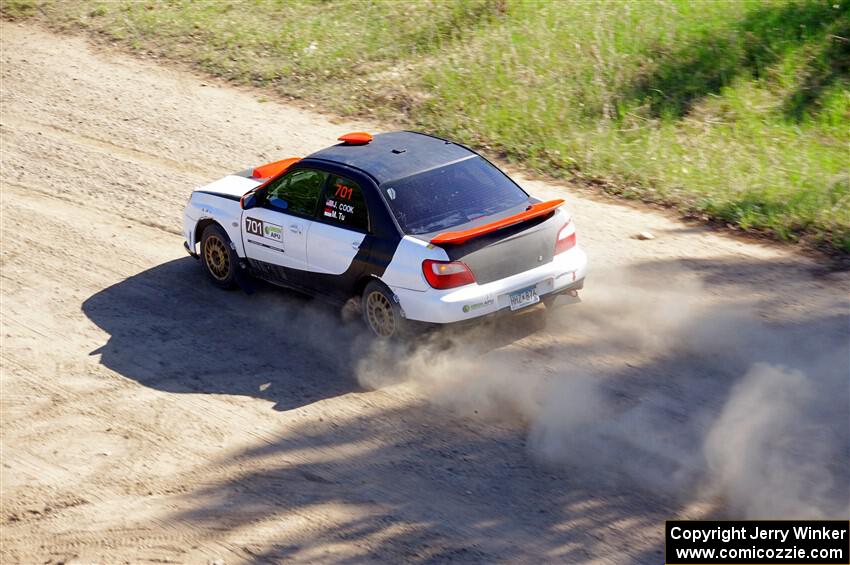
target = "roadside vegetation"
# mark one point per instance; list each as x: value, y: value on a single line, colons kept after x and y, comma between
x: 733, y: 111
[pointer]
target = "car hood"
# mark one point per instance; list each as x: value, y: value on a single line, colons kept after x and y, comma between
x: 231, y: 185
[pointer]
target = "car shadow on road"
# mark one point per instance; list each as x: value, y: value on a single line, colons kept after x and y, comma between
x: 171, y: 330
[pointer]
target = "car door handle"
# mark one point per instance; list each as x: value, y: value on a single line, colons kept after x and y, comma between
x: 295, y: 228
x: 355, y: 245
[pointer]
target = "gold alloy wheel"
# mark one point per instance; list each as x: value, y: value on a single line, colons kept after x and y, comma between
x: 379, y: 313
x: 216, y: 257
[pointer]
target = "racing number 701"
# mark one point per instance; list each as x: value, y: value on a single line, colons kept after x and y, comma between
x: 343, y: 191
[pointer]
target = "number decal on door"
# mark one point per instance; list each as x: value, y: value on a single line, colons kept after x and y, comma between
x: 254, y: 226
x: 264, y: 229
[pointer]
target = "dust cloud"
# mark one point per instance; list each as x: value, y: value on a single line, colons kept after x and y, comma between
x: 644, y: 387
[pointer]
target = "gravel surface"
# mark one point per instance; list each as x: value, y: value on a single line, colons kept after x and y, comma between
x: 148, y: 417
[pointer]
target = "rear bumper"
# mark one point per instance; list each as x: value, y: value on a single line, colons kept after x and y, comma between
x: 565, y: 273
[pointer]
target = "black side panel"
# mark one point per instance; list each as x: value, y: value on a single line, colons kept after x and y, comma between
x: 269, y: 272
x: 381, y: 251
x: 371, y: 260
x: 375, y: 253
x: 508, y: 251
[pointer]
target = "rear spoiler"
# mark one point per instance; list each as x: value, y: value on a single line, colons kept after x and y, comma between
x: 533, y: 211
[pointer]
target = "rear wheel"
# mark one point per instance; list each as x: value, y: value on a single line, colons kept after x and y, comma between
x: 218, y: 257
x: 381, y: 312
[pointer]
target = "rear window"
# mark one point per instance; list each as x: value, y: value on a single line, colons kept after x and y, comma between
x: 452, y: 195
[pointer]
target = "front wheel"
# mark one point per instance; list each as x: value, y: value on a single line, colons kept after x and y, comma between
x: 218, y: 257
x: 381, y: 312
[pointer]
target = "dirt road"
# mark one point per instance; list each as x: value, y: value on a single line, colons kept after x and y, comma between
x: 147, y: 417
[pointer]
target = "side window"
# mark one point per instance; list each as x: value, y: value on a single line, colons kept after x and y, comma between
x: 344, y: 205
x: 298, y: 192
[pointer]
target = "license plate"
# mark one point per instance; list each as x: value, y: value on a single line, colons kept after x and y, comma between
x: 524, y: 297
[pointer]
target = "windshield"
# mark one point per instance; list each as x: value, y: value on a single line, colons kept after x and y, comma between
x: 451, y: 195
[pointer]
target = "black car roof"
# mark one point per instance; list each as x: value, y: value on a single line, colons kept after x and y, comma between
x: 391, y: 156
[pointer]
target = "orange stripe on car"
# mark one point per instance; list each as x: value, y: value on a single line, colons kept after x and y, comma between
x: 533, y: 211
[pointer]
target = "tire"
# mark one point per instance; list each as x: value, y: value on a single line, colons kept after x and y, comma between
x: 218, y: 257
x: 381, y: 312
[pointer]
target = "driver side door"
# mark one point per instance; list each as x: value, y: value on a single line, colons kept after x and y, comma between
x: 274, y: 233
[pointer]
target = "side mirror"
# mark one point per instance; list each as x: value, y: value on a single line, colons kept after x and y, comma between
x: 248, y: 201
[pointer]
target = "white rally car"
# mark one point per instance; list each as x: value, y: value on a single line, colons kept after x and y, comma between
x: 417, y: 227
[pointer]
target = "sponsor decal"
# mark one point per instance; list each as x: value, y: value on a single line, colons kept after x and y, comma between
x: 489, y: 300
x: 264, y: 229
x: 272, y: 231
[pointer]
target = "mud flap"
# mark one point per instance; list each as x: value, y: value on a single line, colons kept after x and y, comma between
x: 190, y: 251
x: 244, y: 279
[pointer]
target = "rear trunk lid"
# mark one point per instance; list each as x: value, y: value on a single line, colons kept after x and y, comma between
x: 510, y: 250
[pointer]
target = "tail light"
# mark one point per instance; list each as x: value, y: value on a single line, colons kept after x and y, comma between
x: 566, y: 238
x: 446, y: 274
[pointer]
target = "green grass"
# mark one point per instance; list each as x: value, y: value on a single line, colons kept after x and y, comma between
x: 737, y: 111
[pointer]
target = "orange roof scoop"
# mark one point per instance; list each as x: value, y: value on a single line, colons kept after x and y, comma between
x: 356, y: 138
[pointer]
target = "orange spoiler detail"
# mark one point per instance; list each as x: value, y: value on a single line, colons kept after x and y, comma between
x: 533, y: 211
x: 270, y: 170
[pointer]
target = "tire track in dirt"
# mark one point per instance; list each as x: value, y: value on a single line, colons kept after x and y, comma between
x: 104, y: 146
